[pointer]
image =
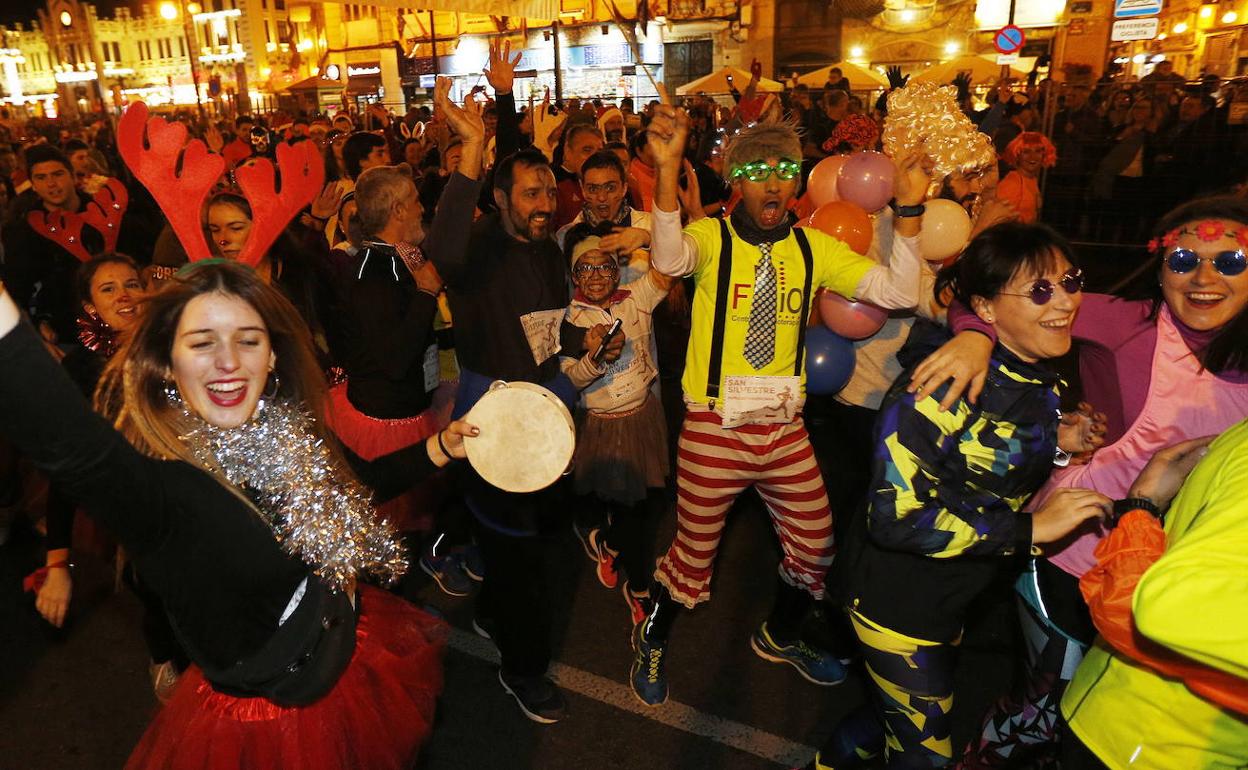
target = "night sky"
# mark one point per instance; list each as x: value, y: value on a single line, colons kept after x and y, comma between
x: 26, y: 10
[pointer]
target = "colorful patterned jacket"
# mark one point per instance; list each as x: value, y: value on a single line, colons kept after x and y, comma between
x: 947, y: 494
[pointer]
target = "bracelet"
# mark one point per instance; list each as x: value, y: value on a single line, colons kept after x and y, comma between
x: 907, y: 211
x: 442, y: 446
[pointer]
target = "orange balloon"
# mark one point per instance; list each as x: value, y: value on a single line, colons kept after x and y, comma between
x: 846, y: 222
x: 822, y: 182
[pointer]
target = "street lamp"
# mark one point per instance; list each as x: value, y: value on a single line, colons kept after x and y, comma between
x: 170, y: 11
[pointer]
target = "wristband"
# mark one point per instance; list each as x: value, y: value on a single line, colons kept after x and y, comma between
x: 442, y: 446
x: 907, y: 211
x: 1128, y: 504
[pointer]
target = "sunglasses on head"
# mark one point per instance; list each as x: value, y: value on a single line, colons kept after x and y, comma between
x: 1042, y: 290
x: 1181, y: 261
x: 758, y: 171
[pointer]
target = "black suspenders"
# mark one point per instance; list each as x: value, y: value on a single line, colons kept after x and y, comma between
x: 715, y: 365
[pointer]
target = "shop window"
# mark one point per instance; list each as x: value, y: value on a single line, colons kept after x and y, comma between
x: 683, y: 62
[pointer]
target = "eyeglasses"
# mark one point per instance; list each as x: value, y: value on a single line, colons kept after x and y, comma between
x: 1229, y: 263
x: 584, y: 270
x: 758, y: 171
x: 1042, y: 290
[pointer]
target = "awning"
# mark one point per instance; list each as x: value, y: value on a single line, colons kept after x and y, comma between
x: 860, y: 78
x: 981, y: 70
x: 315, y: 83
x: 717, y: 83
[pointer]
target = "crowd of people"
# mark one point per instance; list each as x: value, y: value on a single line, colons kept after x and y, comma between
x: 250, y: 350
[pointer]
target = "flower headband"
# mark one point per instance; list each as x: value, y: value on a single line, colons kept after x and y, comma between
x: 1208, y: 230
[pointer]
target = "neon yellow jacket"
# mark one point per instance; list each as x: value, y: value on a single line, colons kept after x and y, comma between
x: 1194, y: 601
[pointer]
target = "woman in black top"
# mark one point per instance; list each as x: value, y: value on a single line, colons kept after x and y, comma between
x: 220, y: 482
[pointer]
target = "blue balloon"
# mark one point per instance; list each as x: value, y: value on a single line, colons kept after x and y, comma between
x: 829, y: 361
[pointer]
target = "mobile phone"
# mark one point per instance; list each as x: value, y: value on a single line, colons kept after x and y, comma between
x: 606, y: 340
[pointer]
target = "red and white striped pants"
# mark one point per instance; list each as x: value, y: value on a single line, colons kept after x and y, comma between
x: 714, y: 465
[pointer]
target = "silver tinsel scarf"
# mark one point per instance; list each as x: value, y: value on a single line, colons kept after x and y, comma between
x: 317, y: 512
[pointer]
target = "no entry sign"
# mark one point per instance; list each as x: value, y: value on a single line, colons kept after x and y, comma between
x: 1009, y: 39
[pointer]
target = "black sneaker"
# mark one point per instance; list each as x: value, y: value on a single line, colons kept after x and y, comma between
x: 537, y: 696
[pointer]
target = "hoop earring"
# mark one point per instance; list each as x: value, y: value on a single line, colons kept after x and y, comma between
x: 271, y: 386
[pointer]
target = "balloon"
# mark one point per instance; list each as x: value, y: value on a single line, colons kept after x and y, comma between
x: 844, y: 221
x: 829, y: 362
x: 946, y: 229
x: 866, y: 180
x: 851, y: 320
x: 822, y: 182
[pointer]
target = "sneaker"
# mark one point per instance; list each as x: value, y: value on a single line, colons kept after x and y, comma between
x: 638, y: 604
x: 474, y: 566
x: 164, y: 680
x: 448, y: 572
x: 818, y: 666
x: 582, y: 532
x: 604, y: 559
x: 648, y: 681
x: 537, y: 696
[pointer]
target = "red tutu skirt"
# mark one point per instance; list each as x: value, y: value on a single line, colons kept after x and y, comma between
x: 376, y: 716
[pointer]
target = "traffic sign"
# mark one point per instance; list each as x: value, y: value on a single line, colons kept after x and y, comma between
x: 1009, y: 39
x: 1134, y: 29
x: 1130, y: 9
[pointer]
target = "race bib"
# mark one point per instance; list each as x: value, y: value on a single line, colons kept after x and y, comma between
x: 541, y: 329
x: 757, y: 400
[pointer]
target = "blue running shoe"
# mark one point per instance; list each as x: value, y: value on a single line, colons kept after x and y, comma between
x: 448, y: 572
x: 474, y: 565
x: 816, y: 665
x: 646, y: 677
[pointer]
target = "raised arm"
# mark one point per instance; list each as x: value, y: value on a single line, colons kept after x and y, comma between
x: 501, y: 73
x: 671, y: 253
x: 43, y: 414
x: 895, y: 285
x: 447, y: 244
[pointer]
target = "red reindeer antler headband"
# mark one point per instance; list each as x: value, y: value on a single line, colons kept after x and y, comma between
x: 181, y: 196
x: 103, y: 213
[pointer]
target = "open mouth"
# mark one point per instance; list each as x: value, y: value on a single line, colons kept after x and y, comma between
x: 1203, y: 300
x: 227, y: 393
x: 773, y: 212
x: 126, y: 310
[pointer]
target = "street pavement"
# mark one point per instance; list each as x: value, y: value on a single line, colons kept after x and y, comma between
x: 80, y: 698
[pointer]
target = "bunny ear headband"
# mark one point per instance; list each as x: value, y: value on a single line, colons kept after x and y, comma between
x: 152, y: 148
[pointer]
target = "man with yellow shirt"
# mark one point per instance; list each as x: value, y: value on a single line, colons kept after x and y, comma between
x: 745, y: 376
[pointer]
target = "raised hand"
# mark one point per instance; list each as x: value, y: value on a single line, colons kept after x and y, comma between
x: 213, y: 138
x: 913, y: 177
x: 962, y: 81
x: 326, y: 204
x: 667, y: 134
x: 501, y: 72
x: 466, y: 120
x: 895, y: 78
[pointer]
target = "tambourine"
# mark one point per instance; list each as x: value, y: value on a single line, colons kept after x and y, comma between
x: 527, y: 437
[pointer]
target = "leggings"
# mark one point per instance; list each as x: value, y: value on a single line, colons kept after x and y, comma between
x: 1023, y: 727
x: 912, y: 690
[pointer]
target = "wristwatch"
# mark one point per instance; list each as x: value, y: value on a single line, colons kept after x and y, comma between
x: 1127, y: 504
x: 907, y: 211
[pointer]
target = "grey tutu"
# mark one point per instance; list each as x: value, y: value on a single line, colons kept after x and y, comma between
x: 618, y: 458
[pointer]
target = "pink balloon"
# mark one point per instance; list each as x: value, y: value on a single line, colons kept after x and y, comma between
x: 851, y: 320
x: 866, y: 179
x: 822, y: 182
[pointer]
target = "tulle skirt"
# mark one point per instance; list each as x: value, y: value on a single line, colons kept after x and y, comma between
x: 376, y: 716
x: 619, y: 457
